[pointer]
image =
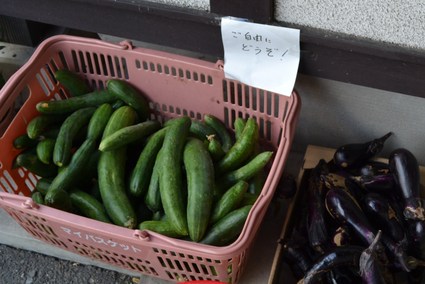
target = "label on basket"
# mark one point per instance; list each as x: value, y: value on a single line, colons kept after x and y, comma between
x: 262, y: 56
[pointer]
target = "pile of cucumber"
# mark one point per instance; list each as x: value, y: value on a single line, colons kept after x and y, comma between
x: 97, y: 154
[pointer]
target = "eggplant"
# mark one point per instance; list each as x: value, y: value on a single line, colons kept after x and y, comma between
x: 345, y: 209
x: 370, y: 269
x: 356, y: 154
x: 318, y: 234
x: 297, y: 258
x: 345, y: 256
x: 355, y: 189
x: 374, y: 168
x: 405, y: 168
x: 416, y: 235
x: 383, y: 183
x: 346, y: 275
x: 379, y: 210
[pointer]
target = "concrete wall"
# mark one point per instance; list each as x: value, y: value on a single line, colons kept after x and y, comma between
x: 392, y: 21
x: 335, y: 113
x: 194, y: 4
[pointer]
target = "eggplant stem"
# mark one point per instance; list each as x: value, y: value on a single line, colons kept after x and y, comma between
x: 385, y: 137
x: 413, y: 262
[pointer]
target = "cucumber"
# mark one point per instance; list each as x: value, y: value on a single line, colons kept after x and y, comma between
x: 170, y: 173
x: 68, y: 131
x: 44, y: 150
x: 161, y: 227
x: 228, y: 228
x: 98, y: 121
x: 215, y: 148
x: 124, y: 91
x: 153, y: 195
x: 23, y: 142
x: 88, y: 205
x: 111, y: 173
x: 222, y: 131
x: 61, y: 200
x: 239, y: 125
x: 241, y: 149
x: 70, y: 175
x: 37, y: 197
x: 41, y: 123
x: 200, y: 180
x: 248, y: 199
x: 246, y: 172
x: 30, y: 161
x: 73, y: 83
x: 66, y: 106
x: 141, y: 174
x: 129, y: 134
x: 229, y: 201
x: 42, y: 185
x: 257, y: 182
x: 201, y: 130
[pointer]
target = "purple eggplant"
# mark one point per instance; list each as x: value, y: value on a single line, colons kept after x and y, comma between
x: 416, y: 236
x: 355, y: 189
x: 379, y: 210
x: 318, y: 234
x: 371, y: 270
x: 356, y: 154
x: 345, y: 256
x: 346, y: 275
x: 374, y: 168
x: 346, y: 210
x: 404, y: 166
x: 383, y: 183
x: 297, y: 258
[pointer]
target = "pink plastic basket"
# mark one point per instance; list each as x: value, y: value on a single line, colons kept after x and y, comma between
x: 175, y: 85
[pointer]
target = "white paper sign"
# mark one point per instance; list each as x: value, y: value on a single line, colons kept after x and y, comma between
x: 262, y: 56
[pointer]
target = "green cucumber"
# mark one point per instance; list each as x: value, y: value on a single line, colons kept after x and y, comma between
x: 30, y: 161
x: 128, y: 135
x: 71, y: 174
x: 200, y: 180
x: 246, y: 172
x: 221, y: 129
x: 98, y: 121
x: 201, y: 130
x: 41, y: 123
x: 170, y: 173
x: 117, y: 104
x: 88, y: 205
x: 153, y: 195
x: 239, y: 125
x: 161, y: 227
x: 37, y: 197
x: 248, y: 199
x: 23, y: 142
x: 215, y: 148
x: 66, y: 106
x: 124, y: 91
x: 141, y: 174
x: 111, y: 173
x: 257, y: 182
x: 44, y: 150
x: 229, y: 201
x: 73, y: 83
x: 228, y: 228
x: 241, y: 149
x: 42, y: 185
x: 67, y: 133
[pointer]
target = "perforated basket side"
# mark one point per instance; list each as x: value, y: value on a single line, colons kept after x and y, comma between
x: 175, y: 86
